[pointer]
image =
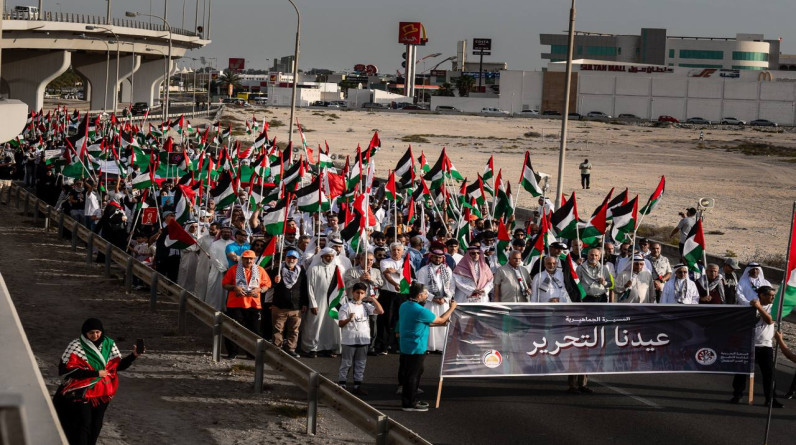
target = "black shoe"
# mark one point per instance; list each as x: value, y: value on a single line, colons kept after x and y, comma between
x: 232, y: 356
x: 359, y: 391
x: 790, y: 395
x: 311, y: 354
x: 372, y: 353
x: 774, y: 404
x: 585, y: 389
x: 293, y: 354
x: 735, y: 400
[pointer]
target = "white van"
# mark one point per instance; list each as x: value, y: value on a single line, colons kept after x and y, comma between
x: 26, y: 12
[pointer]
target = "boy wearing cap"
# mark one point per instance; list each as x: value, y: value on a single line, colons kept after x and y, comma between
x: 353, y: 319
x: 244, y: 283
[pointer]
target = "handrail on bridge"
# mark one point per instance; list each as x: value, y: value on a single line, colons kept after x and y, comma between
x: 70, y: 17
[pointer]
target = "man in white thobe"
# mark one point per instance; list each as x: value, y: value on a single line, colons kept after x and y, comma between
x: 680, y: 290
x: 319, y: 331
x: 189, y: 258
x: 635, y: 286
x: 216, y: 296
x: 548, y: 285
x: 203, y: 262
x: 438, y: 278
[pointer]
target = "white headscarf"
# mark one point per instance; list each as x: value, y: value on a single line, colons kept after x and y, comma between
x: 318, y: 258
x: 747, y: 286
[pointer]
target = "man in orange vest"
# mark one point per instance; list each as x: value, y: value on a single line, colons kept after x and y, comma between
x: 245, y: 282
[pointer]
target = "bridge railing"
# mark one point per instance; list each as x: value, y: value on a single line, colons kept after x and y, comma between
x: 319, y: 388
x: 88, y: 19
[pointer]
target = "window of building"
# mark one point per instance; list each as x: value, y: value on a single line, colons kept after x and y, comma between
x: 756, y: 57
x: 741, y: 67
x: 699, y: 65
x: 619, y: 51
x: 558, y: 49
x: 671, y: 54
x: 701, y: 54
x: 601, y: 51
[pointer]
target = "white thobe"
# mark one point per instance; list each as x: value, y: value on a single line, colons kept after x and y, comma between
x: 689, y: 295
x: 188, y: 261
x: 426, y: 275
x: 465, y: 286
x: 202, y: 268
x: 642, y: 289
x: 216, y: 296
x: 320, y: 332
x: 546, y: 287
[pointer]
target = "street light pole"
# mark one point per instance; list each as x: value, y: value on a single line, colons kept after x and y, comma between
x: 567, y: 85
x: 295, y: 70
x: 114, y: 102
x: 167, y: 70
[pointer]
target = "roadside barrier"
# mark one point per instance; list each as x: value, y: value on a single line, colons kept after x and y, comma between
x: 319, y: 389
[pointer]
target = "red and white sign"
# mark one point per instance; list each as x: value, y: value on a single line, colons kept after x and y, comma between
x: 149, y: 215
x: 410, y: 33
x: 237, y: 64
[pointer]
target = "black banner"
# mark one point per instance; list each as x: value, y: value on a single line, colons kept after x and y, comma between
x: 487, y: 340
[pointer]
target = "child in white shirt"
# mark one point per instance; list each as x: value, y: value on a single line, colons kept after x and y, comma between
x: 353, y: 321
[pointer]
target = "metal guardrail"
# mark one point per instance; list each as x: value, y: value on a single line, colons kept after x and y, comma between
x: 319, y: 388
x: 71, y: 17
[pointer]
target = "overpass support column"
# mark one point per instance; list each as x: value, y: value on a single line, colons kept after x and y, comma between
x: 147, y: 80
x: 127, y: 66
x: 96, y: 68
x: 29, y: 72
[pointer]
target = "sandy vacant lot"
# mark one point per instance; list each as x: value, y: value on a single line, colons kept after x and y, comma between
x: 753, y: 193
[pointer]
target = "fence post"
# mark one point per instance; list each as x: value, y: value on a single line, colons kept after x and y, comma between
x: 61, y: 225
x: 182, y: 313
x: 74, y: 235
x: 153, y: 296
x: 89, y: 248
x: 27, y: 204
x: 128, y: 275
x: 35, y: 211
x: 382, y: 424
x: 19, y: 192
x: 259, y: 361
x: 48, y: 219
x: 108, y: 250
x: 217, y: 337
x: 312, y: 403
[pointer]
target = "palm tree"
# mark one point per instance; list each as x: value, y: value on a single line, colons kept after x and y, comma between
x: 446, y: 89
x: 464, y: 84
x: 229, y: 77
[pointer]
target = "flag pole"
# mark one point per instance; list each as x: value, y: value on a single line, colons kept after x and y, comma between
x: 779, y: 319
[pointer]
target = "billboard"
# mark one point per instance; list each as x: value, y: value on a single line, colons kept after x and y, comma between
x: 237, y: 64
x: 499, y: 340
x: 412, y: 33
x: 482, y: 45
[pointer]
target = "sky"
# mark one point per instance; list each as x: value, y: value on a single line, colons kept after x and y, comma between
x: 338, y: 34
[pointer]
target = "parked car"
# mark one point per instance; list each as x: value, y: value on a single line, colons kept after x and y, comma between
x: 139, y: 108
x: 597, y: 115
x: 373, y: 106
x: 550, y: 113
x: 448, y: 108
x: 494, y: 111
x: 628, y: 116
x: 261, y: 101
x: 697, y: 121
x: 337, y: 104
x: 413, y: 107
x: 667, y: 118
x: 229, y: 100
x: 762, y: 123
x: 320, y: 103
x: 575, y: 116
x: 529, y: 112
x: 732, y: 121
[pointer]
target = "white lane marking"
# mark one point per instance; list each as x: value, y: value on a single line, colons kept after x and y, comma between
x: 628, y: 394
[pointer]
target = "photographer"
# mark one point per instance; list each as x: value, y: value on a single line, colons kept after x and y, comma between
x: 685, y: 225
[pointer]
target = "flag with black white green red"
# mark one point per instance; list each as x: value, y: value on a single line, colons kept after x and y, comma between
x: 565, y: 219
x: 619, y: 200
x: 463, y: 229
x: 374, y: 146
x: 787, y: 292
x: 597, y: 225
x: 475, y: 191
x: 503, y: 243
x: 268, y: 253
x: 224, y: 193
x: 390, y: 189
x: 182, y: 206
x: 177, y: 237
x: 405, y: 169
x: 311, y: 198
x: 143, y: 180
x: 571, y: 281
x: 655, y: 198
x: 489, y: 173
x: 335, y: 295
x: 624, y: 221
x: 275, y: 217
x: 406, y: 276
x: 424, y: 168
x: 694, y: 247
x: 530, y: 180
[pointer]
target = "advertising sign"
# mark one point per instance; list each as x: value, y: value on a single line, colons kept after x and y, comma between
x: 410, y: 33
x: 547, y: 339
x: 482, y: 45
x: 237, y: 64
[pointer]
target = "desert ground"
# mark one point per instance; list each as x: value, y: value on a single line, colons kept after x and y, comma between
x: 748, y: 171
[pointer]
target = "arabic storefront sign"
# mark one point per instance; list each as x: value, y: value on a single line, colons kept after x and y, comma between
x: 648, y: 69
x: 528, y: 339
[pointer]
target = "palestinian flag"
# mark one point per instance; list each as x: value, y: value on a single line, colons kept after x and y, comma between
x: 275, y: 217
x: 624, y: 224
x: 504, y: 202
x: 655, y: 198
x: 489, y: 173
x: 177, y: 237
x: 475, y: 191
x: 565, y: 219
x: 335, y: 295
x: 619, y: 200
x: 405, y: 168
x: 311, y: 199
x: 410, y: 213
x: 463, y: 229
x: 268, y: 253
x: 144, y: 180
x: 694, y: 247
x: 787, y: 293
x: 260, y: 142
x: 178, y: 124
x: 390, y: 192
x: 450, y: 170
x: 182, y: 208
x: 503, y: 243
x: 374, y: 146
x: 436, y: 174
x: 530, y: 180
x: 597, y: 225
x: 406, y: 276
x: 355, y: 231
x: 423, y: 163
x: 571, y: 280
x: 224, y: 193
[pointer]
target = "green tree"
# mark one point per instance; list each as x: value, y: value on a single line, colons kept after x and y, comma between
x: 464, y: 84
x: 446, y: 89
x: 227, y: 78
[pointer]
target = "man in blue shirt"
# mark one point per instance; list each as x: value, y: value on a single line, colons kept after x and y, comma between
x: 414, y: 321
x: 236, y: 249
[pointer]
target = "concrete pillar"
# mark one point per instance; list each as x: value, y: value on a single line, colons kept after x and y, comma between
x: 126, y: 92
x: 128, y: 64
x: 95, y: 67
x: 148, y: 78
x: 28, y: 73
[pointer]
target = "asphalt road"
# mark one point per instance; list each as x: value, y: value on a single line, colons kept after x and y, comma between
x: 644, y: 409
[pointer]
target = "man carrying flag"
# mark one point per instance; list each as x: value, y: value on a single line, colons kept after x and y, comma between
x: 244, y: 282
x: 319, y: 331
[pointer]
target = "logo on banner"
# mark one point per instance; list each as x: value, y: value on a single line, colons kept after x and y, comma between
x: 706, y: 356
x: 492, y: 359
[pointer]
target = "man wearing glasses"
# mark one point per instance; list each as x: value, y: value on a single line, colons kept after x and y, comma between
x: 680, y: 290
x: 474, y: 279
x: 661, y: 269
